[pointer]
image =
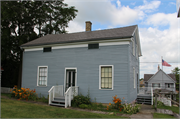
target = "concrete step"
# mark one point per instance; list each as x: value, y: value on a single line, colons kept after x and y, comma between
x: 55, y: 104
x: 59, y: 98
x: 58, y: 101
x: 144, y: 97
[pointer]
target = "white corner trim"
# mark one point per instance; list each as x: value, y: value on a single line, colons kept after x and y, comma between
x: 100, y: 77
x: 33, y: 49
x: 70, y: 46
x: 38, y: 74
x: 134, y: 77
x: 114, y: 43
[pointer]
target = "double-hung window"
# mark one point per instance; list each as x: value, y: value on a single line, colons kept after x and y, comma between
x: 156, y: 85
x: 42, y: 76
x: 106, y: 77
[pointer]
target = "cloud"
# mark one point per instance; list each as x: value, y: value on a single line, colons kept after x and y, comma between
x: 156, y: 43
x: 147, y: 7
x: 162, y: 19
x: 103, y: 12
x: 118, y: 3
x: 106, y: 13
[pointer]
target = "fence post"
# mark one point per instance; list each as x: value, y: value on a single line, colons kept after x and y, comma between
x: 70, y: 96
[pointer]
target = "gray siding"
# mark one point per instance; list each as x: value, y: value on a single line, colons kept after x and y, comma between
x: 133, y: 62
x: 161, y: 78
x: 87, y: 63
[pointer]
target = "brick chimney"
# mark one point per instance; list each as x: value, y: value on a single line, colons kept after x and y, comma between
x: 158, y: 67
x: 88, y: 26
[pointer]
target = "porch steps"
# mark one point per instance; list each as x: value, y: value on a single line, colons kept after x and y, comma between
x: 144, y: 99
x: 58, y: 101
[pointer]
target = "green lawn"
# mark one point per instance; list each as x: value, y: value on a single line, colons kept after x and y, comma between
x: 18, y: 109
x: 158, y: 115
x: 172, y: 108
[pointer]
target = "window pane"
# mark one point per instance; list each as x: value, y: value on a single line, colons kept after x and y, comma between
x: 102, y: 69
x: 110, y: 74
x: 102, y: 74
x: 110, y: 70
x: 106, y: 75
x: 106, y: 70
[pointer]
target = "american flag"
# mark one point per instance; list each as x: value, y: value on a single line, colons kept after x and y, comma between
x: 164, y: 63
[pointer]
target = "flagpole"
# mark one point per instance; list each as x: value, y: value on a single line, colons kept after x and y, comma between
x: 161, y: 61
x: 162, y: 70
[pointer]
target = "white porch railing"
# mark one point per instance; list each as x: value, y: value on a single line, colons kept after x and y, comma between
x: 151, y: 96
x: 146, y: 91
x: 55, y: 91
x: 71, y: 91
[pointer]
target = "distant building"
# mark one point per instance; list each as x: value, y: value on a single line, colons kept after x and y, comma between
x: 178, y: 7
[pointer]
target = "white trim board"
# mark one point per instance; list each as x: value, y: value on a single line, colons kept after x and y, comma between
x: 33, y: 49
x: 79, y: 45
x: 70, y: 46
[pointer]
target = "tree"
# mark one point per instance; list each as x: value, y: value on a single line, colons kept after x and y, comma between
x: 176, y: 71
x: 141, y: 79
x: 19, y: 21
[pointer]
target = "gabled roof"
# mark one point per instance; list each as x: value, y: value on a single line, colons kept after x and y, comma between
x: 116, y: 33
x: 147, y: 77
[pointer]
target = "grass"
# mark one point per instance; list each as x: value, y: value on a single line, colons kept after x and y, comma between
x: 19, y: 109
x: 172, y: 108
x: 6, y: 94
x: 158, y: 115
x: 40, y: 99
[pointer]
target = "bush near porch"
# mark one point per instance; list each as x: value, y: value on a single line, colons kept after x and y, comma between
x: 118, y: 105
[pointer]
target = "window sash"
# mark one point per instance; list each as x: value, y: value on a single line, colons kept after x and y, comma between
x: 156, y: 85
x: 106, y: 77
x: 42, y: 78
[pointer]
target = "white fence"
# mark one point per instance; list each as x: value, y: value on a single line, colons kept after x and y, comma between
x: 5, y: 90
x: 166, y: 101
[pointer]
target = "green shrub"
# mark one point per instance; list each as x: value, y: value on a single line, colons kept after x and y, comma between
x: 83, y: 106
x: 159, y: 103
x: 80, y: 99
x: 131, y: 108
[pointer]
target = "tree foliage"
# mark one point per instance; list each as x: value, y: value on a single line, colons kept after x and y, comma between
x: 176, y: 71
x: 19, y: 21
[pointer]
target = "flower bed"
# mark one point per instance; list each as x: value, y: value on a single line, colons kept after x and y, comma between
x: 23, y: 93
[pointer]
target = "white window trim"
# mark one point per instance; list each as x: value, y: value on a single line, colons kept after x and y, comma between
x: 65, y: 76
x: 134, y: 77
x: 100, y: 76
x: 38, y: 76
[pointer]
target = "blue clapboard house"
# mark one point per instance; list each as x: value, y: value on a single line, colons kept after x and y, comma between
x: 101, y: 63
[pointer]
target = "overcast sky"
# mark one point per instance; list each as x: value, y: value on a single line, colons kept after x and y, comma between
x: 159, y: 27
